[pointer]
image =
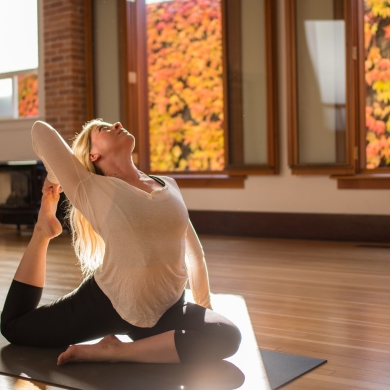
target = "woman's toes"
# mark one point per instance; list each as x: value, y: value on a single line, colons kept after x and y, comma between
x: 67, y: 356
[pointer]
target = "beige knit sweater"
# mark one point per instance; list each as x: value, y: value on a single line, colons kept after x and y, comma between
x: 152, y: 248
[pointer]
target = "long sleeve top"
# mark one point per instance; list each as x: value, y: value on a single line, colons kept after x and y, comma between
x: 151, y: 247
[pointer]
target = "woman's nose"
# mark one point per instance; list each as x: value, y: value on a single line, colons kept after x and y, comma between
x: 117, y: 125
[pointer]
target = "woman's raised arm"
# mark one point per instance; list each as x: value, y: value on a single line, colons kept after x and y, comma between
x: 61, y: 164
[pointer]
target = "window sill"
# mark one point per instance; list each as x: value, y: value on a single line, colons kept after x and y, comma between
x: 363, y: 182
x: 206, y: 181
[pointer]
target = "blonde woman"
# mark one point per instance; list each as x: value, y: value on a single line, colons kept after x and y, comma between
x: 137, y: 248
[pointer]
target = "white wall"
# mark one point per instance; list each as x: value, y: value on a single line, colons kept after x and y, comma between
x: 286, y: 192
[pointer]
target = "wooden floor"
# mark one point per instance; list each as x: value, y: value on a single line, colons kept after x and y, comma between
x: 321, y: 299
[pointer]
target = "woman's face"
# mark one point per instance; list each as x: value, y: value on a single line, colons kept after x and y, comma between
x: 110, y: 140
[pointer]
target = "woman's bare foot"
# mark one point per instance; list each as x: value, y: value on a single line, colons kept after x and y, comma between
x: 48, y: 225
x: 106, y: 350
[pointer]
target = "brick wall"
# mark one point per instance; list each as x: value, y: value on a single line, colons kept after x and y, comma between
x: 65, y: 64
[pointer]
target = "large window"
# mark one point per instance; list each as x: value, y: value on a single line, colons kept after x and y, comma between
x: 339, y: 90
x: 201, y: 95
x: 19, y: 59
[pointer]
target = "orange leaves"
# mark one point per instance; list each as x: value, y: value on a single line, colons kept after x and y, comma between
x: 28, y: 95
x: 387, y: 31
x: 184, y: 42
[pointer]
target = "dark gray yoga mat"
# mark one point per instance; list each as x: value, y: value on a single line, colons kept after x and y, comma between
x: 40, y: 364
x: 282, y: 368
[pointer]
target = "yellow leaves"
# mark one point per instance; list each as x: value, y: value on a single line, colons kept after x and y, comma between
x: 371, y: 136
x: 379, y: 7
x: 176, y: 152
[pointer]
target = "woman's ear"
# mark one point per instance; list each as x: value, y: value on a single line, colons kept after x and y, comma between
x: 93, y: 157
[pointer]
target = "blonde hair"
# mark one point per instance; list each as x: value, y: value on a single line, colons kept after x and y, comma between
x: 88, y: 245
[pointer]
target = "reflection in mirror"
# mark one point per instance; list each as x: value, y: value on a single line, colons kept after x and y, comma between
x: 321, y: 81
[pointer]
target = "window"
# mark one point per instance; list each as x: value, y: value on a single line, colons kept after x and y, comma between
x: 19, y: 59
x: 338, y: 90
x: 207, y: 100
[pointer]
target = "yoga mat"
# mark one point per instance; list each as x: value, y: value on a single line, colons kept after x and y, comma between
x: 245, y: 370
x: 282, y: 368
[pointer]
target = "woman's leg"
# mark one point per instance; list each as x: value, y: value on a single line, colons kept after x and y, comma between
x: 186, y: 333
x: 26, y: 288
x: 32, y: 267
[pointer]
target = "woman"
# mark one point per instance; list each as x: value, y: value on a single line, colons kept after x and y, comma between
x: 138, y: 248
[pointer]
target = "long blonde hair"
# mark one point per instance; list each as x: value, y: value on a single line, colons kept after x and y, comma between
x: 88, y: 245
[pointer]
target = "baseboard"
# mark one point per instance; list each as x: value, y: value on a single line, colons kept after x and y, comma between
x: 334, y: 227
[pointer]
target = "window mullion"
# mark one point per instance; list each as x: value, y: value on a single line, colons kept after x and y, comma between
x: 15, y: 107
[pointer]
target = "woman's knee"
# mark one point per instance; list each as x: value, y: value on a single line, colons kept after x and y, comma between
x: 6, y: 331
x: 214, y: 342
x: 227, y: 340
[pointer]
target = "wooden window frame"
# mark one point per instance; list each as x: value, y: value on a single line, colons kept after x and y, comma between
x: 234, y: 135
x: 349, y: 167
x: 134, y: 95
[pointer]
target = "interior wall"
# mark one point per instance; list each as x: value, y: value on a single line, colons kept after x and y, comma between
x: 286, y: 192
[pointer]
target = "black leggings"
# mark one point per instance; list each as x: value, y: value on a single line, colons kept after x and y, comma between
x: 201, y: 335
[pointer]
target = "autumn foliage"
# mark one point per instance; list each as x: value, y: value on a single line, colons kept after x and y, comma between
x: 28, y: 95
x: 184, y: 47
x: 377, y: 74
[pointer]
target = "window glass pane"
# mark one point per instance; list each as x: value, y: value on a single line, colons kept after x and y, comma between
x: 28, y: 95
x: 184, y: 47
x: 254, y: 81
x: 6, y: 98
x: 18, y: 35
x: 321, y: 81
x: 377, y: 68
